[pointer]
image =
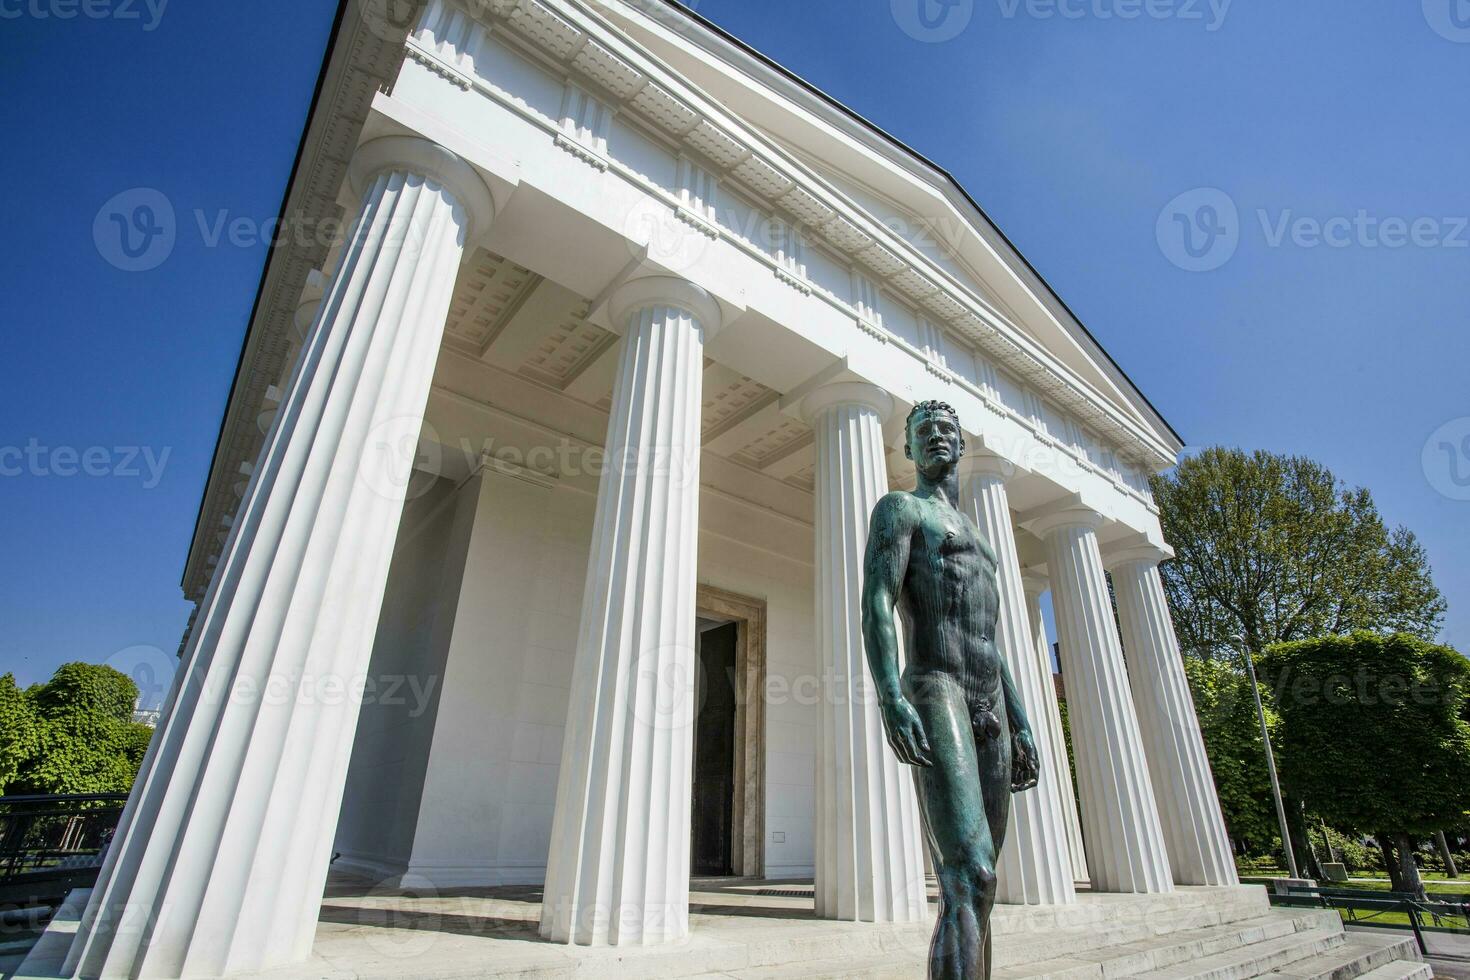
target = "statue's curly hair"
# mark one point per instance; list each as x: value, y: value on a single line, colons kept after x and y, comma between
x: 931, y: 406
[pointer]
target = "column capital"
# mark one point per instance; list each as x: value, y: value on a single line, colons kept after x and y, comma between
x: 416, y: 155
x: 646, y: 292
x: 1034, y: 582
x: 1067, y: 512
x: 980, y: 463
x: 813, y: 403
x: 1135, y: 548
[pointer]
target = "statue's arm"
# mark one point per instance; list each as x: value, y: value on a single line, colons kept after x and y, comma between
x: 889, y: 535
x: 1025, y: 761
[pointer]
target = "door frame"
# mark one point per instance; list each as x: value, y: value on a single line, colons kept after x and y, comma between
x: 748, y: 819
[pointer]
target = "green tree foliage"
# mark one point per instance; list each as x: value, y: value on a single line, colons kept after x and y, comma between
x: 1375, y: 736
x: 1232, y: 735
x: 19, y: 730
x: 1272, y: 548
x: 72, y: 734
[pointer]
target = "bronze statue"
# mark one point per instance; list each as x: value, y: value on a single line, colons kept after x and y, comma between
x: 954, y: 715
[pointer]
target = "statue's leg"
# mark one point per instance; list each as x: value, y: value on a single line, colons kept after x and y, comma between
x: 993, y: 757
x: 959, y: 828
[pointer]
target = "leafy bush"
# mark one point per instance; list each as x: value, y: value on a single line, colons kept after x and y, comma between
x: 73, y: 734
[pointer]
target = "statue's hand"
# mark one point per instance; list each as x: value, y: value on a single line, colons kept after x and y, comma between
x: 1025, y: 762
x: 906, y: 733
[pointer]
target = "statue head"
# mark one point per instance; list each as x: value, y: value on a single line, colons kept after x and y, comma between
x: 932, y: 437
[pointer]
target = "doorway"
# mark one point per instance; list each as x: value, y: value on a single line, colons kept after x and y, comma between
x: 728, y: 812
x: 713, y: 811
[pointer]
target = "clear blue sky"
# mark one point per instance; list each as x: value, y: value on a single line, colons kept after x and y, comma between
x: 1073, y: 124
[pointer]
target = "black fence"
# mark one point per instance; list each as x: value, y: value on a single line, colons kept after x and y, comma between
x: 1442, y: 913
x: 52, y: 844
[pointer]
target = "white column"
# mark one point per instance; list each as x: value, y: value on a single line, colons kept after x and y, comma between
x: 1126, y: 850
x: 220, y: 860
x: 1051, y: 722
x: 1035, y: 866
x: 1199, y: 847
x: 618, y: 872
x: 869, y: 860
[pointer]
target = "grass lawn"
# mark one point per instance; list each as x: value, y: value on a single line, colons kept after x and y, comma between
x: 1431, y: 885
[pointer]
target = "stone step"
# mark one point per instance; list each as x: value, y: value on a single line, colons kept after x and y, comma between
x: 1359, y: 955
x: 1212, y: 905
x: 1400, y: 970
x: 1254, y: 960
x: 1166, y: 949
x: 1122, y: 960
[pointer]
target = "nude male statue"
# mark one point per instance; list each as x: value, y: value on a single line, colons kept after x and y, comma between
x: 954, y: 715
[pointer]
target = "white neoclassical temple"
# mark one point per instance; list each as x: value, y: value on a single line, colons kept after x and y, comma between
x: 530, y: 551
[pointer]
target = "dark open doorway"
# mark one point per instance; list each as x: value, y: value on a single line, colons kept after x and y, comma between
x: 713, y: 810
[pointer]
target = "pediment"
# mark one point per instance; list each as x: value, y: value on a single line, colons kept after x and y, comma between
x: 888, y: 183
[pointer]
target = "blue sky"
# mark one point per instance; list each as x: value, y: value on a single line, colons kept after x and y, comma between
x: 1095, y: 132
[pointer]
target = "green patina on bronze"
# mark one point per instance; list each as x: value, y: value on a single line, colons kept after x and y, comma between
x: 954, y: 714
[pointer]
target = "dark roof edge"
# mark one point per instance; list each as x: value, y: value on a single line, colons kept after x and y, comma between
x: 880, y: 131
x: 316, y: 96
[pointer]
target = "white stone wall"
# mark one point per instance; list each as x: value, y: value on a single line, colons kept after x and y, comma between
x: 481, y: 796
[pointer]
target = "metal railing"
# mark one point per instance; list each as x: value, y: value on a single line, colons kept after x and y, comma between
x: 1443, y: 913
x: 51, y: 844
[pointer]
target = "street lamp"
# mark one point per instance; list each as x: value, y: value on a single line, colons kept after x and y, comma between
x: 1250, y: 666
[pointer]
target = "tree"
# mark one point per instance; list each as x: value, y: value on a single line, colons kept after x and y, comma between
x: 1375, y: 735
x: 19, y: 730
x: 1232, y: 736
x: 1270, y: 549
x: 74, y: 733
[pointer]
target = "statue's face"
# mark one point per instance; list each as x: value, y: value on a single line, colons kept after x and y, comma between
x: 934, y: 442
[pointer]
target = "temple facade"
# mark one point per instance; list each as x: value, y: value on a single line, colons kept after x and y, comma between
x: 531, y: 550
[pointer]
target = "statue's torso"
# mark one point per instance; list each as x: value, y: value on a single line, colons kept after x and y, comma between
x: 950, y: 601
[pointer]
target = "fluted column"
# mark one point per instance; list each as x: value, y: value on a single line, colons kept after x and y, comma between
x: 618, y: 872
x: 220, y: 859
x: 1120, y: 818
x: 1051, y: 723
x: 1035, y: 866
x: 1199, y: 847
x: 869, y: 860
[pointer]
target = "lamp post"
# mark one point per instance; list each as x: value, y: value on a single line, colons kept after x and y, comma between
x: 1250, y: 666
